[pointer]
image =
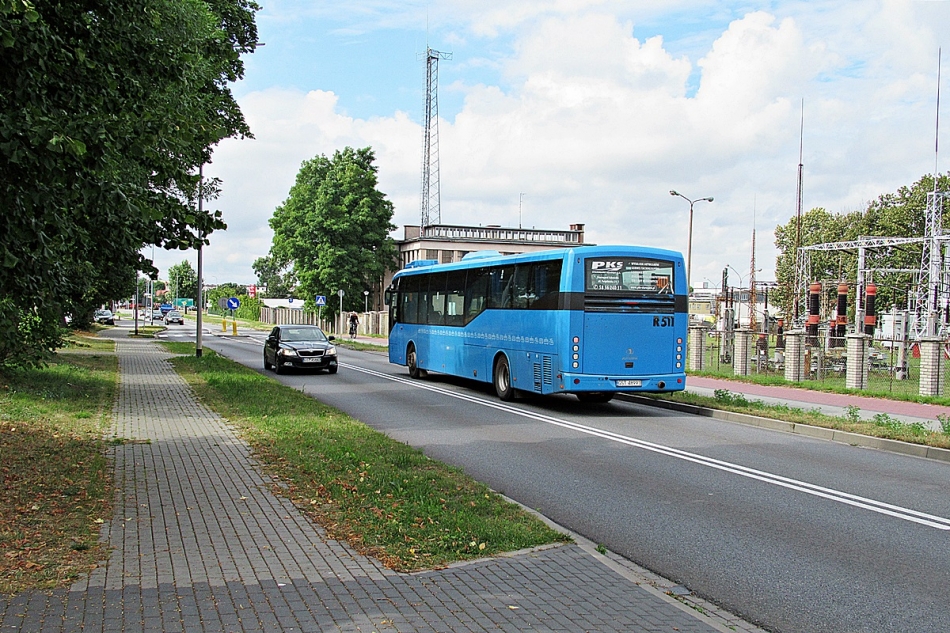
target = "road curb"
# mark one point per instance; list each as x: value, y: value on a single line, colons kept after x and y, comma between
x: 834, y: 435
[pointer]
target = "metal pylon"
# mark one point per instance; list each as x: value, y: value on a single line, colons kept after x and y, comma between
x: 430, y: 203
x: 930, y: 297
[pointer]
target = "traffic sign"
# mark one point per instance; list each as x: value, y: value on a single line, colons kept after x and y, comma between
x: 321, y: 300
x: 234, y: 303
x: 290, y: 299
x: 223, y: 303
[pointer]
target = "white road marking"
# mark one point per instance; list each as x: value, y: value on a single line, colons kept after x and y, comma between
x: 880, y: 507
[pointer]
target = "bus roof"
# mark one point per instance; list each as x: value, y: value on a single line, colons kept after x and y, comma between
x: 476, y: 259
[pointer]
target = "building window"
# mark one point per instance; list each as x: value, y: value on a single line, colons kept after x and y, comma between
x: 447, y: 257
x: 432, y: 253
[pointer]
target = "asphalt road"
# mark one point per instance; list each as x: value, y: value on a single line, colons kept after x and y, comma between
x: 792, y: 533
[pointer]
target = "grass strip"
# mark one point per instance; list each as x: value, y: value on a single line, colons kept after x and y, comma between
x: 385, y: 498
x: 57, y: 483
x: 881, y: 425
x: 87, y: 341
x: 829, y: 385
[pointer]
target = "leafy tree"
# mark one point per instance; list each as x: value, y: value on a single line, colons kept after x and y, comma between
x: 898, y: 214
x: 335, y: 227
x: 275, y: 276
x: 183, y: 280
x: 108, y: 110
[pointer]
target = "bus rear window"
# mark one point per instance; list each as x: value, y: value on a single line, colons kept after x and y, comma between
x: 628, y: 274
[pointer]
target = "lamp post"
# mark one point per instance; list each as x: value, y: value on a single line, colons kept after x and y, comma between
x: 689, y: 237
x: 200, y: 298
x: 365, y: 301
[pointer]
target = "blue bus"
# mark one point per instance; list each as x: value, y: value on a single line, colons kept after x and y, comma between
x: 591, y: 321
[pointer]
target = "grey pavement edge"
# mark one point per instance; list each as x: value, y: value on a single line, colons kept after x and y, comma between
x: 200, y: 543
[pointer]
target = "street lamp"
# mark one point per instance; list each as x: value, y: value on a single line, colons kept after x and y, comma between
x: 689, y: 238
x: 365, y: 301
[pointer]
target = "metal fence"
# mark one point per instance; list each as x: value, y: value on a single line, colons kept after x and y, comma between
x: 893, y: 366
x: 371, y: 323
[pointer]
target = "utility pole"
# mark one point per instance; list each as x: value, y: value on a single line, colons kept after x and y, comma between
x: 798, y: 217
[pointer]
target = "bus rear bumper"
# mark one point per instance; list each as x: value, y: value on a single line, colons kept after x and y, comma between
x: 573, y: 383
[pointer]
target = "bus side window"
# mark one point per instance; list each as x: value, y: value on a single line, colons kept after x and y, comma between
x: 476, y: 293
x: 547, y: 284
x: 408, y: 299
x: 436, y: 301
x: 455, y: 298
x: 522, y: 294
x: 501, y: 282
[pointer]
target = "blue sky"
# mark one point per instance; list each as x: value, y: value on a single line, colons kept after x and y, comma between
x: 594, y: 110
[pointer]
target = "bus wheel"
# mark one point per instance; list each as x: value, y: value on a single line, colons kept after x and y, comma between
x: 414, y: 371
x: 502, y: 380
x: 595, y: 397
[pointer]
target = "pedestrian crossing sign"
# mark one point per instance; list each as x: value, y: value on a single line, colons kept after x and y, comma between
x: 321, y: 300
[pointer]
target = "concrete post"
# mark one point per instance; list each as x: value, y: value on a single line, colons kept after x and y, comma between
x: 931, y: 367
x: 740, y: 361
x: 696, y: 348
x: 795, y: 356
x: 856, y: 370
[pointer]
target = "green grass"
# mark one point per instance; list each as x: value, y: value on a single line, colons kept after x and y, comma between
x: 362, y: 347
x: 56, y: 479
x: 881, y: 425
x: 147, y: 331
x: 87, y: 341
x: 385, y: 498
x: 906, y: 390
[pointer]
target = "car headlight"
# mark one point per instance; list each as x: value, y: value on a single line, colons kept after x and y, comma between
x: 331, y: 351
x: 288, y: 352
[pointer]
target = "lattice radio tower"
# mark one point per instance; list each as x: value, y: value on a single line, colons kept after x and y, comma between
x: 430, y: 206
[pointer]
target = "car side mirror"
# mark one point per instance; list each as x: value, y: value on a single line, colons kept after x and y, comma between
x: 331, y: 338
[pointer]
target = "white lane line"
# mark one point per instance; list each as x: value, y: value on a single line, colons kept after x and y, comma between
x: 880, y: 507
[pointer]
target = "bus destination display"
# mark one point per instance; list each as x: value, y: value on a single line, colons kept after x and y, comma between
x: 630, y: 275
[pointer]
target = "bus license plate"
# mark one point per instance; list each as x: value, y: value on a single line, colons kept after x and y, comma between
x: 629, y: 383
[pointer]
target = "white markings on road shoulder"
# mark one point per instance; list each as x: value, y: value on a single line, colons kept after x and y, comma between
x: 905, y: 514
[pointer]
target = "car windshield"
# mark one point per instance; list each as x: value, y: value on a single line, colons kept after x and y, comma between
x: 174, y: 313
x: 106, y: 313
x: 302, y: 334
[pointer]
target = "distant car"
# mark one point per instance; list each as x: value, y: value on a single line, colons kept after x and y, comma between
x: 174, y: 316
x: 300, y: 347
x: 157, y: 315
x: 105, y: 317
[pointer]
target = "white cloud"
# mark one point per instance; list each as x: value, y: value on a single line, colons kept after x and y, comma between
x: 595, y: 124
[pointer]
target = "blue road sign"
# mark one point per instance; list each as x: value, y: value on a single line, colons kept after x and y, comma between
x: 234, y: 303
x: 321, y: 300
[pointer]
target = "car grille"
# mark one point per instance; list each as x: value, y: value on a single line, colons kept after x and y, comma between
x: 310, y: 352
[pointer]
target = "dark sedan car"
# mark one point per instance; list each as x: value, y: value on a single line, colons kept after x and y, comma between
x: 105, y: 317
x: 174, y: 316
x: 300, y: 347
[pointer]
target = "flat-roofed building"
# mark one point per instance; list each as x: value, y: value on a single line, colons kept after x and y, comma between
x: 447, y: 243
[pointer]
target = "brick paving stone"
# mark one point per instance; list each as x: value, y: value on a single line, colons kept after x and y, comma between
x: 199, y: 543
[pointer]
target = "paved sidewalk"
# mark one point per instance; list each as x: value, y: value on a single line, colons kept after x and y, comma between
x: 200, y: 543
